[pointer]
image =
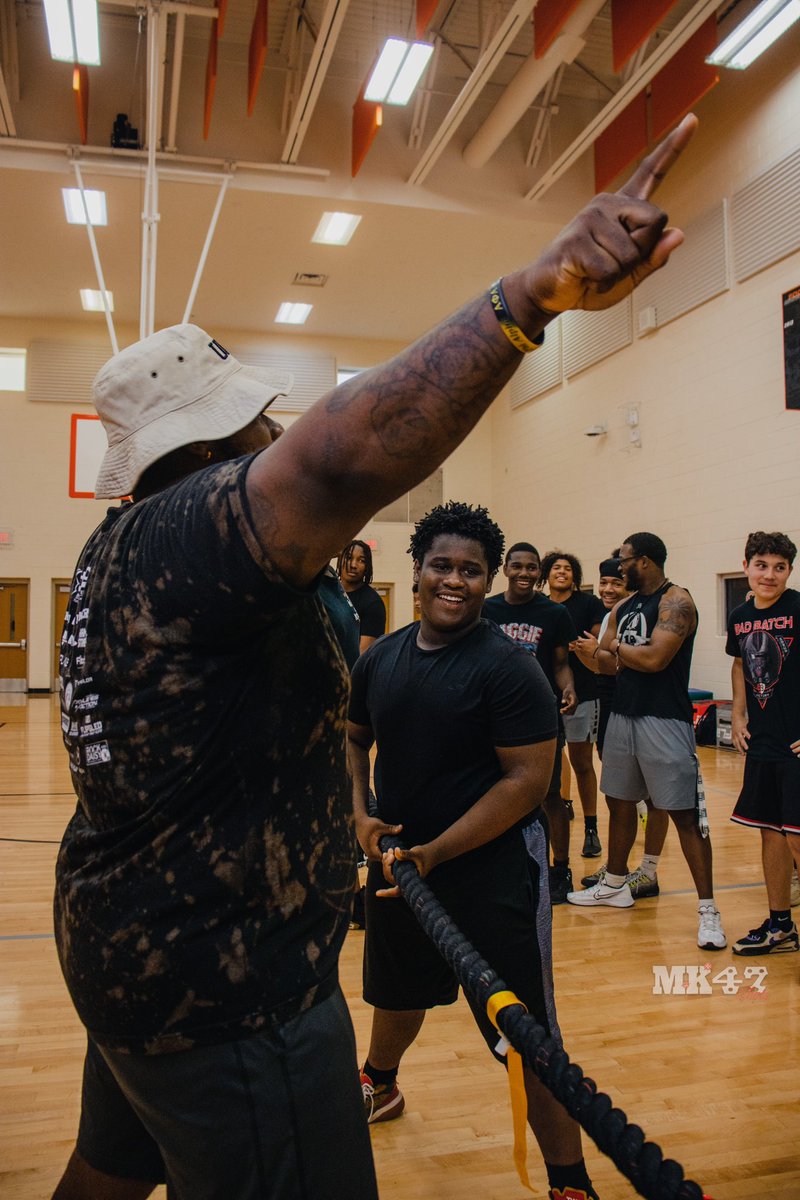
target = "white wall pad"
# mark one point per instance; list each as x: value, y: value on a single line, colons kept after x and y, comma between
x: 698, y: 272
x: 589, y: 337
x: 539, y: 371
x: 765, y: 218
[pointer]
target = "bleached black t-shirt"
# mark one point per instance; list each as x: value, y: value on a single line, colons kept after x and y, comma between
x: 202, y: 884
x: 766, y: 640
x: 538, y: 626
x: 437, y: 716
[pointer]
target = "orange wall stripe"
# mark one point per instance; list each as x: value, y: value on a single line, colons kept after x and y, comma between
x: 80, y: 86
x: 367, y: 120
x: 684, y: 80
x: 548, y: 21
x: 256, y: 54
x: 425, y: 11
x: 621, y: 142
x: 211, y: 78
x: 632, y: 22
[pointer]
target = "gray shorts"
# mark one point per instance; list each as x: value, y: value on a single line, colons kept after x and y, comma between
x: 276, y: 1116
x: 650, y: 758
x: 582, y: 726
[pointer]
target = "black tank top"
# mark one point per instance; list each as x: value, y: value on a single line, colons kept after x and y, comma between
x: 651, y: 693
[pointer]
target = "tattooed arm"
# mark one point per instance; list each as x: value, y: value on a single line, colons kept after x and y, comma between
x: 379, y: 434
x: 677, y: 619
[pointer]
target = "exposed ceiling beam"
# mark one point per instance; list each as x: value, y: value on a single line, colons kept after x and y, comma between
x: 661, y: 55
x: 324, y: 46
x: 486, y: 65
x: 7, y: 126
x: 533, y: 75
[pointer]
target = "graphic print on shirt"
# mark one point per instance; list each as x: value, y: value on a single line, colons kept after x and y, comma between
x: 632, y: 628
x: 764, y: 651
x: 525, y: 635
x: 77, y: 699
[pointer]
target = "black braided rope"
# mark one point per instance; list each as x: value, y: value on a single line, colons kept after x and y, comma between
x: 640, y: 1161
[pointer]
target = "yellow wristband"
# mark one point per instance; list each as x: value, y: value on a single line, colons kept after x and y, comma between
x: 519, y: 340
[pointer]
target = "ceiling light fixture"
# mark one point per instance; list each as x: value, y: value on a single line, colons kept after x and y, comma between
x: 92, y: 300
x: 755, y: 34
x: 73, y: 31
x: 95, y: 202
x: 397, y: 72
x: 293, y: 314
x: 336, y: 228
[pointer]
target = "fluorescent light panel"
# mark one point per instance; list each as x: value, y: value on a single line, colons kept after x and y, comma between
x: 293, y: 314
x: 73, y: 31
x: 95, y: 202
x: 398, y: 71
x: 336, y: 228
x: 92, y: 300
x: 765, y: 24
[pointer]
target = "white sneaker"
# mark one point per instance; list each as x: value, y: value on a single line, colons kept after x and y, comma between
x: 601, y: 893
x: 710, y: 934
x: 794, y: 896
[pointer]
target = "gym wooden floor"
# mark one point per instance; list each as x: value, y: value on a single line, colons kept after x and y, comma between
x: 712, y: 1078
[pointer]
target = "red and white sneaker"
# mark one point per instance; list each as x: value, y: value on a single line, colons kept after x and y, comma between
x: 381, y: 1103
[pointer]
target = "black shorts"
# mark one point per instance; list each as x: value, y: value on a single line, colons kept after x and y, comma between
x: 499, y: 899
x: 554, y: 787
x: 245, y: 1119
x: 770, y: 795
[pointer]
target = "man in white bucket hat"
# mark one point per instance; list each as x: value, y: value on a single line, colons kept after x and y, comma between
x: 204, y: 882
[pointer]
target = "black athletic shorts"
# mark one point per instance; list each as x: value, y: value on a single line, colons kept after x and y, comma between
x: 499, y: 899
x: 770, y: 795
x: 244, y: 1119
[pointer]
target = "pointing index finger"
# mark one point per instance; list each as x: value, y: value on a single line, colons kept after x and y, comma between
x: 651, y: 170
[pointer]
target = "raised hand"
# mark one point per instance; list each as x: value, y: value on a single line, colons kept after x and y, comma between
x: 614, y: 243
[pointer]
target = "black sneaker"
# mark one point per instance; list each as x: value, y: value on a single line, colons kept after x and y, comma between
x: 591, y: 845
x: 765, y: 940
x: 560, y: 885
x: 590, y: 880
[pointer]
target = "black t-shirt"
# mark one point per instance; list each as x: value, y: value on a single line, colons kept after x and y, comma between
x: 371, y: 612
x: 586, y: 610
x: 538, y: 626
x: 764, y: 639
x: 437, y: 716
x: 203, y: 883
x: 651, y: 693
x: 341, y: 614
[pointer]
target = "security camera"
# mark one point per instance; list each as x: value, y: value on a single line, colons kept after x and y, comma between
x: 595, y: 431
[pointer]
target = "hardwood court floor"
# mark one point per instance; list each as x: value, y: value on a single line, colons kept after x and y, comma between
x: 712, y: 1078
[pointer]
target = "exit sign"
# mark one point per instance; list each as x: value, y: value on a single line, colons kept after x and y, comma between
x: 6, y: 537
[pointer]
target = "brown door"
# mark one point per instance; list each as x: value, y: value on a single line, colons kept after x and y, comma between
x: 61, y: 590
x: 13, y: 636
x: 384, y: 590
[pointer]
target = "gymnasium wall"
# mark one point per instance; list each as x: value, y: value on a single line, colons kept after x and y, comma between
x: 49, y: 528
x: 720, y: 453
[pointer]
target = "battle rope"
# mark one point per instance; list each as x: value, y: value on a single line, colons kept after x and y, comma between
x: 640, y: 1161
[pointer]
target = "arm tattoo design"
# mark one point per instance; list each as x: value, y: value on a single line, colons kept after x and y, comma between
x: 676, y: 615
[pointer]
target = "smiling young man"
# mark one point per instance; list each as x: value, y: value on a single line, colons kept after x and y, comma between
x: 649, y: 750
x: 355, y: 571
x: 765, y: 676
x: 465, y: 727
x: 545, y: 630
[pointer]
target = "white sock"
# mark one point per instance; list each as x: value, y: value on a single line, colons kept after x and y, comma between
x: 614, y: 881
x: 706, y: 904
x: 650, y: 865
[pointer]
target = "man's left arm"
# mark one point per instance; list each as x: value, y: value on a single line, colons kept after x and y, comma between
x: 521, y: 787
x: 677, y: 619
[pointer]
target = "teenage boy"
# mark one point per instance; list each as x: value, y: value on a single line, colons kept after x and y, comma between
x: 465, y: 727
x: 545, y: 630
x: 763, y: 642
x: 563, y: 575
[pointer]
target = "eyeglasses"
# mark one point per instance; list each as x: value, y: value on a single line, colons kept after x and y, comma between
x: 630, y: 558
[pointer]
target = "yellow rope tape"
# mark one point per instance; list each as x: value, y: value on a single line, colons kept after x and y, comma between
x: 516, y: 1085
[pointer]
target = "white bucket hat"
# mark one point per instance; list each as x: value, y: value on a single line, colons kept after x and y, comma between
x: 175, y: 387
